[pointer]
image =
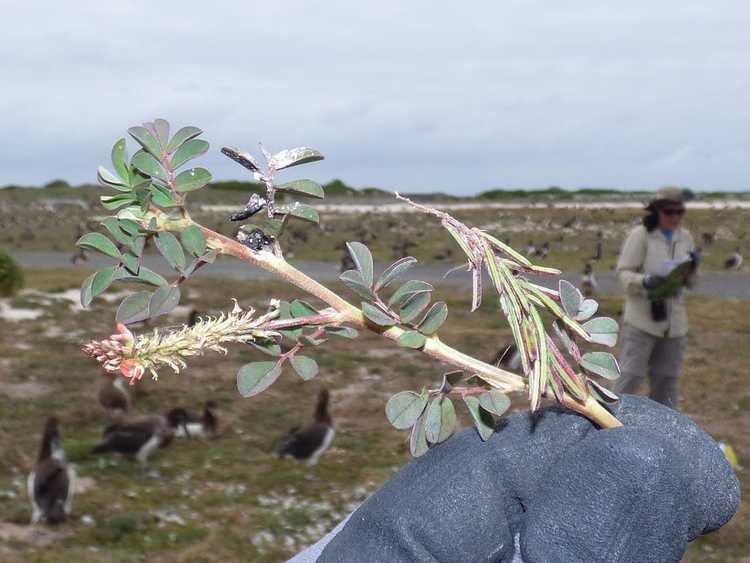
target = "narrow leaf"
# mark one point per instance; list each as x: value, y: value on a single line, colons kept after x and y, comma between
x: 106, y: 178
x: 133, y: 308
x: 161, y: 127
x: 256, y: 377
x: 145, y: 276
x: 434, y: 318
x: 601, y: 394
x: 113, y: 226
x: 111, y: 202
x: 412, y: 339
x: 102, y: 280
x: 170, y: 248
x: 377, y: 316
x: 86, y: 296
x: 100, y: 243
x: 131, y: 263
x: 306, y: 368
x: 394, y: 271
x: 404, y: 408
x: 162, y: 196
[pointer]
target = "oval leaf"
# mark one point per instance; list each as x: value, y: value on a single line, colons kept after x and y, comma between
x: 146, y: 140
x: 299, y: 210
x: 570, y: 297
x: 114, y: 201
x: 377, y: 316
x: 113, y: 226
x: 353, y: 280
x: 303, y: 187
x: 293, y: 157
x: 182, y: 136
x: 404, y: 408
x: 363, y: 260
x: 412, y: 339
x: 192, y: 179
x: 108, y: 179
x: 602, y: 330
x: 306, y: 368
x: 86, y: 296
x: 483, y: 421
x: 120, y: 160
x: 161, y: 127
x: 193, y: 240
x: 343, y: 331
x: 188, y: 151
x: 163, y: 301
x: 414, y: 306
x: 440, y: 420
x: 133, y: 308
x: 100, y: 243
x: 145, y: 276
x: 603, y: 364
x: 494, y: 402
x: 601, y: 394
x: 406, y: 290
x: 586, y: 310
x: 394, y: 271
x: 418, y: 439
x: 434, y: 318
x: 170, y: 248
x: 257, y: 377
x: 102, y: 280
x: 149, y: 165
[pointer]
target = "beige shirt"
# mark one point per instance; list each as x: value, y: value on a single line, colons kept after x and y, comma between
x: 650, y: 253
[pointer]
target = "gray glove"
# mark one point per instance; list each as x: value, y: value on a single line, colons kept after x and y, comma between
x: 570, y: 491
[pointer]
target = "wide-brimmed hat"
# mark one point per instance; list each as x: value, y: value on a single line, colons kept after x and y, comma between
x: 670, y: 194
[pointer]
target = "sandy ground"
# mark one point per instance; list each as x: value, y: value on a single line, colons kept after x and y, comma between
x: 729, y: 285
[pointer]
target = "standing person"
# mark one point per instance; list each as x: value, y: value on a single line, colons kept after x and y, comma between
x: 654, y: 335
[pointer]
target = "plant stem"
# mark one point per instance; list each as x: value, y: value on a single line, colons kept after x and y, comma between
x: 348, y: 313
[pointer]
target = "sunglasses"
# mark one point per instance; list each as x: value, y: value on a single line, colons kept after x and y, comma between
x: 672, y: 211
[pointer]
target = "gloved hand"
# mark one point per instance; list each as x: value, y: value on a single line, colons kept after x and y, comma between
x: 569, y: 491
x: 652, y: 281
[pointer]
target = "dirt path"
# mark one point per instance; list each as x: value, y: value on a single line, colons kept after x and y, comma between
x: 729, y: 285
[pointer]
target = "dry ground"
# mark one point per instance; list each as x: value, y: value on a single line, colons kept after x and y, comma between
x: 231, y: 499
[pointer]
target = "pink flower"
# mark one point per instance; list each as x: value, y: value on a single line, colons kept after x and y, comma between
x: 132, y: 370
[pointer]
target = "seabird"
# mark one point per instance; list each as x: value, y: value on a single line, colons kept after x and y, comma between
x: 203, y: 426
x: 735, y: 261
x: 309, y: 442
x: 589, y: 286
x: 141, y: 436
x: 113, y: 394
x: 51, y: 481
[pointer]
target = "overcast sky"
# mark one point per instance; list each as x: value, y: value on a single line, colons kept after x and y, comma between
x: 412, y: 95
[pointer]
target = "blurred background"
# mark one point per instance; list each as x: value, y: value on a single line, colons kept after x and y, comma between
x: 547, y: 124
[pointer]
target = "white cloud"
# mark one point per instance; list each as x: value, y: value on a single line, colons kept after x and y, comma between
x: 415, y: 95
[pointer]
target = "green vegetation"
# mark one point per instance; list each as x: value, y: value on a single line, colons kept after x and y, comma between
x: 11, y: 276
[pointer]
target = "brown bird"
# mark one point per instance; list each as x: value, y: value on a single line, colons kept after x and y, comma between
x: 141, y: 436
x: 203, y: 426
x: 309, y: 442
x: 51, y: 482
x: 113, y: 394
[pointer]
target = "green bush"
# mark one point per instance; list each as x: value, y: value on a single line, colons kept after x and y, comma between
x: 11, y: 277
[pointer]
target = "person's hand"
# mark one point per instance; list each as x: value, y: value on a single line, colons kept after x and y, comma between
x: 562, y: 489
x: 652, y: 281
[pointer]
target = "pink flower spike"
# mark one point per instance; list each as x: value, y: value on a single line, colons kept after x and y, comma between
x: 132, y: 370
